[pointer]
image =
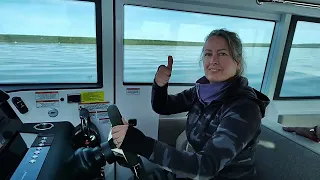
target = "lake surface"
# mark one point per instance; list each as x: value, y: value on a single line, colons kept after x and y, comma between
x: 63, y: 63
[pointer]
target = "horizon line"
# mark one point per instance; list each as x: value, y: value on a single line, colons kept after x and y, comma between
x: 14, y: 38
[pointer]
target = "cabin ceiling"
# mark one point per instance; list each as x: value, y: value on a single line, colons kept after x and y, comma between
x: 252, y: 5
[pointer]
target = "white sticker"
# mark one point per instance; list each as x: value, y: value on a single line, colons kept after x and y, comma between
x: 98, y: 111
x: 100, y: 116
x: 47, y: 104
x: 49, y: 99
x: 95, y: 106
x: 133, y: 91
x: 52, y: 95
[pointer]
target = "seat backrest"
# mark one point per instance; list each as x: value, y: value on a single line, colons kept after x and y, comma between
x: 278, y: 157
x: 170, y: 129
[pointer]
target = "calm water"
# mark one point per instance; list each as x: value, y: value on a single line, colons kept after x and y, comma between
x: 48, y: 63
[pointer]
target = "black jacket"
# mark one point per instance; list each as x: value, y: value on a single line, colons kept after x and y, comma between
x: 223, y: 134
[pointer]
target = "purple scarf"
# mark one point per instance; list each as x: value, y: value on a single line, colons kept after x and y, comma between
x: 209, y: 92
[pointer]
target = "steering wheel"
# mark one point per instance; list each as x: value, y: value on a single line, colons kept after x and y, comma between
x: 132, y: 160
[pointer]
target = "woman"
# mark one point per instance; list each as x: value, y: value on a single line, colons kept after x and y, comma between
x: 223, y: 121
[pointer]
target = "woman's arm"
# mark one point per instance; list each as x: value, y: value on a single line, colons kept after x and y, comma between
x: 165, y: 104
x: 236, y: 130
x: 318, y: 132
x: 305, y: 132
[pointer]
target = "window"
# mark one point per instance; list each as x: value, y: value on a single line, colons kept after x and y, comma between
x: 151, y: 34
x: 300, y: 73
x: 48, y: 42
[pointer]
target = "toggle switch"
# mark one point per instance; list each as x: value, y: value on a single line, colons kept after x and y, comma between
x: 132, y: 122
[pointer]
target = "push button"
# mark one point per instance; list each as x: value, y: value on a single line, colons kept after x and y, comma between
x: 44, y: 138
x: 43, y: 141
x: 37, y: 152
x: 41, y: 144
x: 35, y: 156
x: 32, y: 161
x: 39, y: 148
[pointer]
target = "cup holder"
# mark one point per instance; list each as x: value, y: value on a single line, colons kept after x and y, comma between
x: 43, y: 126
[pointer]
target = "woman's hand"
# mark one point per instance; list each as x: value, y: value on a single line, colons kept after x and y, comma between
x: 302, y: 131
x: 131, y: 139
x: 164, y: 73
x: 119, y: 132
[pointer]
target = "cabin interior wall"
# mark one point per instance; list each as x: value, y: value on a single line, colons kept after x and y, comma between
x: 132, y: 106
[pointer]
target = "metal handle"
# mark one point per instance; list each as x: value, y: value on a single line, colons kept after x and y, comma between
x: 85, y: 118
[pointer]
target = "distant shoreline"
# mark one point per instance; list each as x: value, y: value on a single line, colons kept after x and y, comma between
x: 45, y: 39
x: 89, y: 40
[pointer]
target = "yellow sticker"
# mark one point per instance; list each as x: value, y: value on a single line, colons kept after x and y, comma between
x: 96, y: 96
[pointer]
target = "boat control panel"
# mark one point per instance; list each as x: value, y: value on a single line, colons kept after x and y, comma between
x: 50, y: 147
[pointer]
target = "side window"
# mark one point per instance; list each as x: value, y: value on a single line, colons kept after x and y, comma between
x: 301, y: 67
x: 151, y: 34
x: 48, y: 42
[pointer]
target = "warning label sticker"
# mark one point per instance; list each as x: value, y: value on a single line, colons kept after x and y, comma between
x: 133, y: 91
x: 98, y: 111
x: 54, y: 95
x: 99, y: 115
x: 91, y: 97
x: 95, y: 106
x: 47, y: 99
x: 47, y: 103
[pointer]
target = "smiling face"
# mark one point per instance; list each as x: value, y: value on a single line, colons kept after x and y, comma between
x: 217, y: 60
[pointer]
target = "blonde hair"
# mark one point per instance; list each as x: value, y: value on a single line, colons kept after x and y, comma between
x: 234, y: 43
